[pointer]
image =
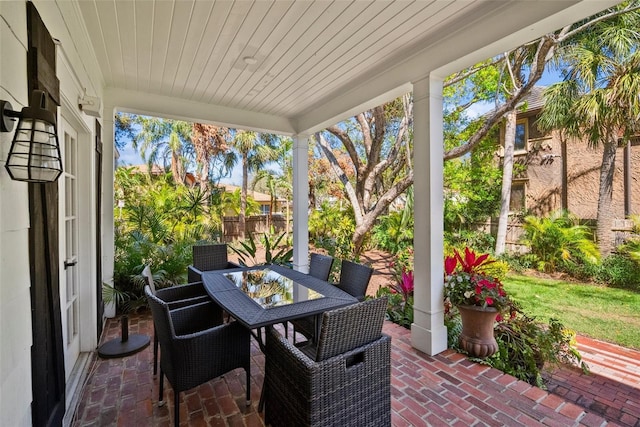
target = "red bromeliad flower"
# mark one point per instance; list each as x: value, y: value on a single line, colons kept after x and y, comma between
x: 471, y: 263
x: 467, y: 283
x: 450, y: 263
x: 407, y: 282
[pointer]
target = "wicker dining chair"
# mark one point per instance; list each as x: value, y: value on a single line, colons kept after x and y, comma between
x: 354, y: 279
x: 320, y: 268
x: 207, y: 258
x: 344, y: 380
x: 176, y: 297
x: 197, y: 347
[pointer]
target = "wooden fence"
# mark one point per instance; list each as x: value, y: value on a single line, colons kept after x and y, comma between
x: 254, y: 224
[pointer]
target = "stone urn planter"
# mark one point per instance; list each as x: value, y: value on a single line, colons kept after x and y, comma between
x: 477, y: 337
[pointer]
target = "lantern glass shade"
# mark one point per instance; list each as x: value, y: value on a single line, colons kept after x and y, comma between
x: 35, y: 152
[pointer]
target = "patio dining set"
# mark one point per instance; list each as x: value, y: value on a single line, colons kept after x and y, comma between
x: 337, y: 374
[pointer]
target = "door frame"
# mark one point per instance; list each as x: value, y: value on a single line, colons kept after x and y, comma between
x: 87, y: 263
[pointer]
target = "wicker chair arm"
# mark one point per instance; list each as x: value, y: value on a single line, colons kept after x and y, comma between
x: 178, y: 292
x: 196, y: 318
x: 280, y: 345
x: 226, y: 332
x: 194, y: 274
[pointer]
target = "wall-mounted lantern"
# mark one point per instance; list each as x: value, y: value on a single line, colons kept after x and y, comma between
x: 35, y: 152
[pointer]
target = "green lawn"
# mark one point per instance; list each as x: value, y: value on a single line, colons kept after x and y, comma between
x: 608, y: 314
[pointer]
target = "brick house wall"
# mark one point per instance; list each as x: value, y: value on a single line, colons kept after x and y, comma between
x: 542, y: 174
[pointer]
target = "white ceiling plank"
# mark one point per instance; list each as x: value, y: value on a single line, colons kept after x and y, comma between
x: 196, y: 32
x: 403, y: 33
x: 220, y: 58
x: 207, y: 48
x: 262, y: 48
x: 126, y: 18
x: 162, y: 18
x: 183, y: 20
x: 111, y: 34
x: 374, y: 26
x: 143, y: 42
x: 242, y: 44
x: 311, y: 33
x: 284, y: 44
x: 93, y: 24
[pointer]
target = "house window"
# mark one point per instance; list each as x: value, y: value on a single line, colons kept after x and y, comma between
x: 522, y: 135
x: 518, y: 194
x: 264, y: 209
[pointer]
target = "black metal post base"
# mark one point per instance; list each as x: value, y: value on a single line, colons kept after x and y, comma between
x: 126, y: 345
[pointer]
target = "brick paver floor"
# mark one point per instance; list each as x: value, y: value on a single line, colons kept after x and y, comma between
x: 446, y: 389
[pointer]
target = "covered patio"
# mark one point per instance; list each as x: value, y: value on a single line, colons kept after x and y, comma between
x: 284, y: 67
x: 446, y: 389
x: 294, y: 68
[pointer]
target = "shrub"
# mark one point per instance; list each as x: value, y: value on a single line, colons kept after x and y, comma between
x: 518, y: 262
x: 276, y: 251
x: 331, y: 228
x: 394, y: 232
x: 479, y: 240
x: 400, y: 294
x: 525, y: 347
x: 559, y: 241
x: 621, y: 272
x: 399, y: 309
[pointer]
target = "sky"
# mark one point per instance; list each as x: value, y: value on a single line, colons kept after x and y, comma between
x: 129, y: 157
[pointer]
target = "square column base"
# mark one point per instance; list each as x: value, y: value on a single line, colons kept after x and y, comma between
x: 428, y: 341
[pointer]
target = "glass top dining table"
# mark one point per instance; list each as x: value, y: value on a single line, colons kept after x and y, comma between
x: 267, y: 295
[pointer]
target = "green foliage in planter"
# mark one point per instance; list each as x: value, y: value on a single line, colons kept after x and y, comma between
x: 525, y: 347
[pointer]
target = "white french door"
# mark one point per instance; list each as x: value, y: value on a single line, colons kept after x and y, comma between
x: 69, y: 290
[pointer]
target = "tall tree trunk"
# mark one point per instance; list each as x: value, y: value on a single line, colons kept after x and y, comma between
x: 565, y: 173
x: 243, y: 196
x: 605, y: 198
x: 175, y: 168
x: 359, y: 235
x: 507, y: 177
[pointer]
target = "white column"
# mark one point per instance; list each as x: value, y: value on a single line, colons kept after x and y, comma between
x: 108, y: 166
x: 428, y: 333
x: 301, y: 203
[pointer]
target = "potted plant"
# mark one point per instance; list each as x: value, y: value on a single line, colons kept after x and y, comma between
x: 478, y: 296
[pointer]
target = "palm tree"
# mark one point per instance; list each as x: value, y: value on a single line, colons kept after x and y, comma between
x: 163, y: 139
x: 255, y: 151
x: 211, y: 153
x: 599, y: 101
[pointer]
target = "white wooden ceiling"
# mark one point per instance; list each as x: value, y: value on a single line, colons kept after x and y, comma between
x: 304, y: 61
